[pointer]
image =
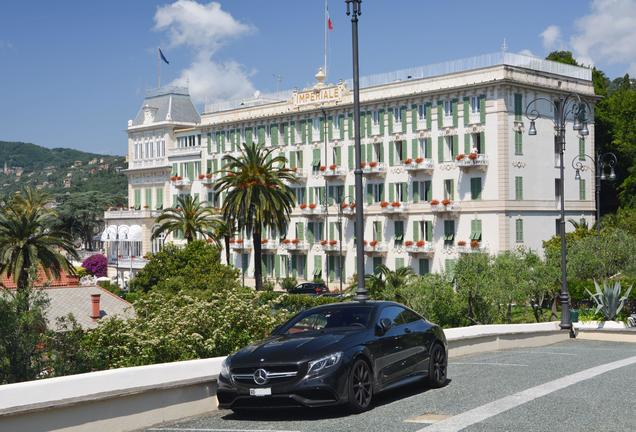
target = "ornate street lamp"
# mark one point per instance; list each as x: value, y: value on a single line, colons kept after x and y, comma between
x: 570, y: 106
x: 599, y: 165
x: 354, y: 9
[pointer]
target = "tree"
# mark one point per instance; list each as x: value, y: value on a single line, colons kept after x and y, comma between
x: 189, y: 217
x: 257, y: 195
x: 82, y: 214
x: 225, y: 229
x: 384, y: 284
x: 473, y: 278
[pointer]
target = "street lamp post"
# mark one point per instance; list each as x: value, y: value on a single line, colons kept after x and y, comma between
x: 354, y: 9
x: 602, y: 161
x: 342, y: 201
x: 568, y: 106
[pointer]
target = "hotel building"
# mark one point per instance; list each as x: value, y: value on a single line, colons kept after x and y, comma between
x: 449, y: 167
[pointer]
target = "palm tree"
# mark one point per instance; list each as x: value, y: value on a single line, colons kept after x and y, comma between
x: 29, y: 241
x: 189, y: 217
x: 225, y: 229
x: 385, y: 282
x: 257, y: 195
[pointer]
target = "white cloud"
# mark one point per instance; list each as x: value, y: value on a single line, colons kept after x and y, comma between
x: 205, y: 28
x: 527, y: 52
x: 551, y: 37
x: 607, y: 34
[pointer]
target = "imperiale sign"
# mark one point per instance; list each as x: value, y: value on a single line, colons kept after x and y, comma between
x: 320, y: 95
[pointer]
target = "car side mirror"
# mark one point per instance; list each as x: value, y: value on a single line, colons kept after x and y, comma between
x: 384, y: 325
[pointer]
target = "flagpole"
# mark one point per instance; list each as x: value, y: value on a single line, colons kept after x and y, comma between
x: 325, y: 25
x: 158, y: 69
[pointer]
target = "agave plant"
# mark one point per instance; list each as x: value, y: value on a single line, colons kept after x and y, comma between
x: 608, y: 300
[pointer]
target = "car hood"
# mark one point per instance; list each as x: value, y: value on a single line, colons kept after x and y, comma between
x: 294, y: 348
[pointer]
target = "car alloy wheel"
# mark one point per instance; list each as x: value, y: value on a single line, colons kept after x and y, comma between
x: 360, y: 386
x: 437, y: 367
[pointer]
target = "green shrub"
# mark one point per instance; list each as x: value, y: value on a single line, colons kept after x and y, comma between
x: 269, y: 285
x: 80, y: 271
x: 288, y: 283
x: 433, y: 297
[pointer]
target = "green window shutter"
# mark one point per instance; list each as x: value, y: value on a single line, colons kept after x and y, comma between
x: 519, y: 230
x: 413, y: 118
x: 273, y: 134
x: 292, y: 160
x: 399, y: 263
x: 390, y: 120
x: 403, y: 118
x: 391, y: 192
x: 317, y: 266
x: 428, y: 226
x: 300, y: 231
x: 482, y: 142
x: 316, y: 158
x: 350, y: 125
x: 518, y: 106
x: 351, y: 194
x: 381, y: 121
x: 332, y: 229
x: 455, y: 145
x: 482, y: 109
x: 309, y: 127
x: 377, y: 231
x: 209, y: 143
x: 423, y: 266
x: 249, y: 136
x: 381, y: 189
x: 414, y: 148
x: 217, y: 141
x: 351, y: 157
x: 341, y: 126
x: 466, y: 143
x: 310, y: 232
x: 429, y: 115
x: 369, y: 122
x: 222, y: 139
x: 454, y: 109
x: 518, y: 188
x: 277, y: 266
x: 440, y: 114
x: 428, y: 190
x: 363, y: 122
x: 582, y: 189
x: 518, y: 143
x: 336, y: 152
x: 321, y: 127
x: 286, y: 133
x: 582, y: 149
x: 137, y: 198
x: 391, y: 152
x: 330, y: 128
x: 440, y: 149
x: 398, y: 229
x: 261, y: 135
x: 369, y: 193
x: 475, y: 188
x: 449, y: 230
x: 466, y: 113
x: 159, y: 198
x: 428, y: 148
x: 148, y: 197
x: 416, y: 231
x: 302, y: 126
x: 416, y: 192
x: 475, y: 229
x: 370, y: 152
x: 381, y: 158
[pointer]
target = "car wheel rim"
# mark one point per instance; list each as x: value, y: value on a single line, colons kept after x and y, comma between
x: 362, y: 384
x: 439, y: 365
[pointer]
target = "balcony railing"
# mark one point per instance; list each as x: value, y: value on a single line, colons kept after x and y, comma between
x: 349, y: 210
x: 269, y: 245
x: 375, y: 247
x: 332, y: 246
x: 148, y: 163
x: 126, y: 214
x: 183, y: 151
x: 395, y: 207
x: 374, y: 168
x: 181, y: 182
x: 295, y: 245
x: 472, y: 247
x: 131, y: 262
x: 299, y: 174
x: 471, y: 160
x: 333, y: 171
x: 419, y: 164
x: 312, y: 210
x: 418, y: 247
x: 240, y: 245
x: 440, y: 207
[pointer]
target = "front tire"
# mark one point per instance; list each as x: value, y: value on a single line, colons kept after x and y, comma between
x: 360, y: 387
x: 437, y: 367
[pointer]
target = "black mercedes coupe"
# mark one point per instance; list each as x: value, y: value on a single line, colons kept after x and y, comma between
x: 341, y: 353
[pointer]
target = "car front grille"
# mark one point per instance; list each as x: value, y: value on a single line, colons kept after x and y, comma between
x: 275, y: 374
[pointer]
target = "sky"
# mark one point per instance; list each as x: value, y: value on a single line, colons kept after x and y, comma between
x: 73, y: 72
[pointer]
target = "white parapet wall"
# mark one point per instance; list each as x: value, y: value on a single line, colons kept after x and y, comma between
x: 127, y: 399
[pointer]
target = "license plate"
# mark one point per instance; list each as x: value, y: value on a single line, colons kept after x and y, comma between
x: 260, y: 391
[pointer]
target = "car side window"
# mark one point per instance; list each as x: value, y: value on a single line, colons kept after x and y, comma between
x: 392, y: 313
x: 406, y: 317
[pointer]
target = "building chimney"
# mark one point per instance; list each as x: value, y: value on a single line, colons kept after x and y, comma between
x: 95, y: 309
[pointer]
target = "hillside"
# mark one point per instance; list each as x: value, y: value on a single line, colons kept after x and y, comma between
x: 59, y: 170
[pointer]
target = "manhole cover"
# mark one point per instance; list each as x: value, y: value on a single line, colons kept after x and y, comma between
x: 427, y: 418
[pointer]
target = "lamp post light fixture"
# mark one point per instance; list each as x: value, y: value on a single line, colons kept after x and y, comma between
x: 600, y: 163
x: 340, y: 209
x: 566, y: 107
x: 354, y: 9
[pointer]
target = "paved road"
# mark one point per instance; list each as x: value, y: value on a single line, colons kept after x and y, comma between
x: 570, y: 386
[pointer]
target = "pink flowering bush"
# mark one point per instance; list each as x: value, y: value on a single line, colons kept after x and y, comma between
x: 96, y: 265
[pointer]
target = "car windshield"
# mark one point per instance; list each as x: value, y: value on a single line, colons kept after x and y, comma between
x: 329, y: 318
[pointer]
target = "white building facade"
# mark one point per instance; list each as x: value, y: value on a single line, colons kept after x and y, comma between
x: 448, y: 166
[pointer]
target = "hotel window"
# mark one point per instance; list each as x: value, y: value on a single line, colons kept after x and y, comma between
x: 397, y: 115
x: 378, y: 192
x: 423, y: 266
x: 452, y: 146
x: 449, y: 189
x: 400, y: 152
x: 518, y: 188
x: 398, y: 232
x: 377, y: 231
x: 557, y: 189
x: 475, y: 188
x: 421, y: 110
x: 376, y: 118
x: 474, y: 104
x: 519, y: 230
x: 449, y: 232
x: 478, y: 145
x: 518, y: 143
x: 448, y: 108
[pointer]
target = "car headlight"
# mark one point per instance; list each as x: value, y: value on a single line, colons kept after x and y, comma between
x: 225, y: 368
x: 324, y: 362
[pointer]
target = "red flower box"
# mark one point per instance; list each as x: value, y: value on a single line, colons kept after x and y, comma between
x: 333, y: 167
x: 373, y: 243
x: 323, y: 168
x: 179, y: 178
x: 312, y: 206
x: 395, y: 204
x: 408, y: 161
x: 474, y: 244
x: 363, y: 164
x: 472, y: 156
x: 323, y: 242
x: 352, y: 205
x: 408, y: 243
x: 239, y: 241
x: 208, y: 176
x: 461, y: 243
x: 303, y: 206
x: 344, y: 205
x: 295, y: 241
x: 333, y: 242
x: 419, y: 160
x: 364, y: 242
x: 201, y: 176
x: 446, y: 201
x: 173, y: 178
x: 264, y: 241
x: 384, y: 204
x: 286, y: 241
x: 460, y: 156
x: 232, y: 241
x: 420, y: 243
x: 434, y: 202
x: 373, y: 164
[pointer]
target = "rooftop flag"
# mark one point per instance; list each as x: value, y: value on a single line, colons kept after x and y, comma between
x: 163, y: 57
x: 329, y: 23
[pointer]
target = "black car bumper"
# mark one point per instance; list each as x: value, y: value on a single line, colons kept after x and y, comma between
x: 328, y: 388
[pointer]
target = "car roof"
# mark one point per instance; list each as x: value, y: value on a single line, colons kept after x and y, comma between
x: 374, y: 303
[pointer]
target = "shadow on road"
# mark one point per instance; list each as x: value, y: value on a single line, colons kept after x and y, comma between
x: 308, y: 414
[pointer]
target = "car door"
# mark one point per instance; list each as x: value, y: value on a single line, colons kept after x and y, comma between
x: 414, y: 342
x: 388, y: 353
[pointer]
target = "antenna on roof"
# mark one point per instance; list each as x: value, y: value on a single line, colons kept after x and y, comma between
x: 504, y: 46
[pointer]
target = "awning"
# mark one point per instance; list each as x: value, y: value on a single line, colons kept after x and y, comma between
x: 122, y: 233
x: 110, y: 233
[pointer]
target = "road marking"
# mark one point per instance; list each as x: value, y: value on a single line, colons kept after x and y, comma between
x: 487, y: 364
x: 546, y: 352
x: 216, y: 430
x: 427, y: 418
x: 479, y: 414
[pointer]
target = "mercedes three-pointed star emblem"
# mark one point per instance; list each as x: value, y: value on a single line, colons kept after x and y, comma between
x: 260, y: 376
